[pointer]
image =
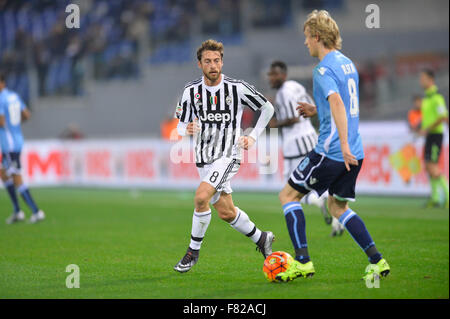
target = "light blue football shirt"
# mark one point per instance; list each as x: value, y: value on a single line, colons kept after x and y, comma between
x: 11, y: 107
x: 337, y: 74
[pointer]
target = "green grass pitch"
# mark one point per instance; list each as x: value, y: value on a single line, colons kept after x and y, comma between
x: 127, y: 242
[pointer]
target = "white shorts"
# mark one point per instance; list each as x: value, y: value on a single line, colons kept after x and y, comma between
x: 219, y: 174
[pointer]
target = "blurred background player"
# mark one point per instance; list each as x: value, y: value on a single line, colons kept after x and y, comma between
x: 12, y: 112
x: 211, y: 108
x: 335, y: 163
x: 434, y: 114
x: 408, y: 151
x: 169, y: 128
x: 415, y: 114
x: 298, y: 134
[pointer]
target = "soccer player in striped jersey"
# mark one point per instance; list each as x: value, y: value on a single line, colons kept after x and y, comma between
x: 335, y: 163
x: 12, y: 112
x: 298, y: 135
x: 210, y: 109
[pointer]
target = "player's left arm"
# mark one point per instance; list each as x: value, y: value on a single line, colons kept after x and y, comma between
x: 2, y: 114
x: 256, y: 101
x: 339, y: 114
x: 26, y: 114
x: 267, y: 111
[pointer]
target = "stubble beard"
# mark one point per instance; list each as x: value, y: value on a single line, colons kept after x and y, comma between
x: 213, y: 79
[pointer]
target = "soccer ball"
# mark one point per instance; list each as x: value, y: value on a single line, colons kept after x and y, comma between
x: 275, y: 263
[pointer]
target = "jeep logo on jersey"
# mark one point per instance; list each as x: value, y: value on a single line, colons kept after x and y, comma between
x: 216, y: 117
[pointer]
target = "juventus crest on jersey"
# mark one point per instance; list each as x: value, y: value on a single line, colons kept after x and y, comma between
x: 219, y: 112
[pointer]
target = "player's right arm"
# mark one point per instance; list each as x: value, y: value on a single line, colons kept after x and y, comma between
x: 187, y: 125
x: 339, y: 114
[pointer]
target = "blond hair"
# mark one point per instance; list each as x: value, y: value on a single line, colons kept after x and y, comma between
x: 321, y: 24
x: 210, y: 45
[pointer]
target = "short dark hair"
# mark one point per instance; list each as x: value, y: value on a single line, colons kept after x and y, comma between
x: 428, y: 72
x: 2, y: 77
x: 279, y: 64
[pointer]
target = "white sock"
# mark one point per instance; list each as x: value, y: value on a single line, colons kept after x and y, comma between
x: 244, y: 225
x: 200, y: 223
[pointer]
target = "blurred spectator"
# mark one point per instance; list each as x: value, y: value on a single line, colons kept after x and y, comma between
x: 112, y: 35
x: 415, y: 114
x: 271, y: 13
x: 72, y: 132
x: 169, y: 129
x: 41, y: 55
x: 367, y: 83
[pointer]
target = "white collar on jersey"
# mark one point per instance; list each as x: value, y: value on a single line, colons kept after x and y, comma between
x: 216, y: 87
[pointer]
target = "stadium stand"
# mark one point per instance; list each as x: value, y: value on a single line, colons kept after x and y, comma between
x: 138, y: 46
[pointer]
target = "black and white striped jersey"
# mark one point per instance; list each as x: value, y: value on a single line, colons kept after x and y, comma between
x: 300, y: 138
x: 219, y: 112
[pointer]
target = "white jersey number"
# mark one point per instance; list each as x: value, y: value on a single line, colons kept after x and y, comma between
x: 354, y: 103
x: 14, y: 112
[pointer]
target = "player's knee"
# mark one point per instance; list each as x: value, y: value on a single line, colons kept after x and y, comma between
x: 435, y: 172
x: 282, y: 196
x: 336, y: 207
x: 4, y: 176
x: 201, y: 200
x: 18, y: 181
x: 286, y: 197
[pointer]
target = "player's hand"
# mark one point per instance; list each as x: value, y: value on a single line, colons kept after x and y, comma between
x: 193, y: 128
x: 246, y: 142
x: 306, y: 109
x: 422, y: 132
x: 349, y: 158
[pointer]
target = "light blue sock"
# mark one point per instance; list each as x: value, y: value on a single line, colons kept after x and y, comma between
x: 9, y: 185
x: 25, y: 192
